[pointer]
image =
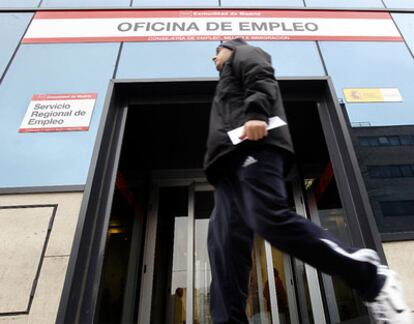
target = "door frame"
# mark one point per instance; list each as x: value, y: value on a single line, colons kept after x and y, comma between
x: 162, y: 180
x: 195, y: 181
x: 81, y: 286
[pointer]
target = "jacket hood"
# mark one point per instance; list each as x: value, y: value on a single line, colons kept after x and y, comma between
x: 231, y: 44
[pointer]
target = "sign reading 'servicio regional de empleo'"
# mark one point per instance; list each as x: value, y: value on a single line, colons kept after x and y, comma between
x: 59, y: 112
x: 209, y: 25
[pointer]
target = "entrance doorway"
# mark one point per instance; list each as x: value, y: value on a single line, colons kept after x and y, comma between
x: 155, y: 267
x: 175, y: 273
x: 175, y: 282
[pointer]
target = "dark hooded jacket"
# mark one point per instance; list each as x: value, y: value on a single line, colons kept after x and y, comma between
x: 247, y: 90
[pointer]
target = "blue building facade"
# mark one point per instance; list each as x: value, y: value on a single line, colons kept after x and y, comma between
x: 379, y: 133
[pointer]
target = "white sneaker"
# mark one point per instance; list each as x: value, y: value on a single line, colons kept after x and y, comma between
x: 389, y: 307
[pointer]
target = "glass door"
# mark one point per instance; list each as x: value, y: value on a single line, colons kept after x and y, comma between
x: 176, y: 273
x: 271, y: 290
x: 294, y: 295
x: 176, y: 276
x: 325, y: 209
x: 203, y: 205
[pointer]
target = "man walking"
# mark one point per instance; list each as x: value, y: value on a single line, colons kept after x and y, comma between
x: 250, y: 196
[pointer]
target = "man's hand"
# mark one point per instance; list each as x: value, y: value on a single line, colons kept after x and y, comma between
x: 254, y: 130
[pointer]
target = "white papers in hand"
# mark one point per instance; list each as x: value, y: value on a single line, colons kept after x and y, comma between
x: 234, y: 134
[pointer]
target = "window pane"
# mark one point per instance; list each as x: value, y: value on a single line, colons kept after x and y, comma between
x: 85, y: 3
x: 333, y: 218
x: 394, y: 140
x: 405, y: 24
x: 174, y: 3
x: 386, y: 172
x: 406, y: 140
x: 374, y: 141
x: 384, y: 140
x: 203, y: 205
x: 12, y: 27
x: 258, y: 299
x: 399, y: 3
x: 42, y: 159
x: 375, y: 171
x: 370, y: 65
x: 399, y: 165
x: 148, y: 60
x: 287, y: 54
x: 345, y: 3
x: 363, y: 141
x: 115, y: 266
x: 19, y: 3
x: 255, y: 3
x: 406, y: 171
x: 398, y: 208
x: 169, y: 287
x: 394, y: 171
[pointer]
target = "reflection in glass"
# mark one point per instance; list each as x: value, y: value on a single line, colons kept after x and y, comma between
x: 12, y: 26
x: 353, y: 64
x: 258, y: 307
x: 179, y: 272
x: 170, y: 263
x: 302, y: 287
x: 404, y: 22
x: 203, y: 206
x: 112, y: 289
x: 331, y: 215
x: 202, y: 274
x: 281, y: 284
x: 324, y: 207
x: 348, y: 302
x: 386, y: 158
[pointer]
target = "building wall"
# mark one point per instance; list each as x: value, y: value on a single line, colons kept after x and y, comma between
x: 63, y: 159
x: 399, y: 257
x: 37, y: 235
x: 42, y: 159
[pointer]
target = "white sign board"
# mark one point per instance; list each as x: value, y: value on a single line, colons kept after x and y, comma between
x: 59, y: 112
x: 209, y: 25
